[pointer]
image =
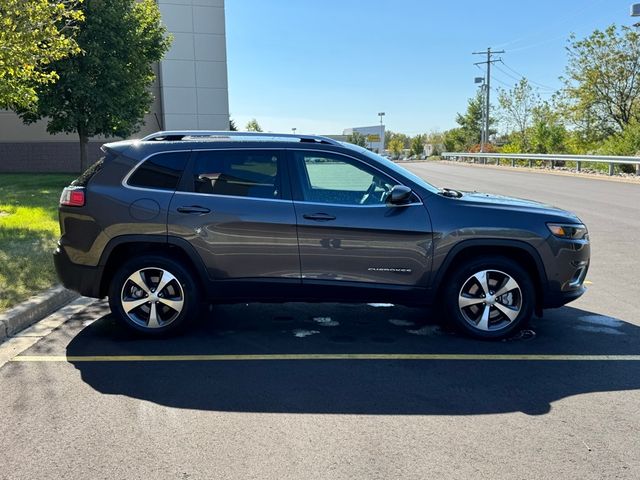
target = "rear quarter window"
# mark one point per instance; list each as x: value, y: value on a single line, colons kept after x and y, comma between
x: 161, y: 171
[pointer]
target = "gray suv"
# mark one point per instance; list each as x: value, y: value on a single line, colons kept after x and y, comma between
x: 162, y: 224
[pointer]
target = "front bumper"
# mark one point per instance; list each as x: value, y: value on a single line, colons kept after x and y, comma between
x: 558, y: 299
x: 566, y: 269
x: 79, y: 278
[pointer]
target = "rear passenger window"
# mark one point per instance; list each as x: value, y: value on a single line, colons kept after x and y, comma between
x: 162, y: 171
x: 240, y: 173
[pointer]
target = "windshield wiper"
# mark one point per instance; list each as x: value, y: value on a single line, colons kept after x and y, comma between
x: 450, y: 192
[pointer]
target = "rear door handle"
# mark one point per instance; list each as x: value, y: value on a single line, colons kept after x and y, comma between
x: 193, y: 209
x: 318, y: 217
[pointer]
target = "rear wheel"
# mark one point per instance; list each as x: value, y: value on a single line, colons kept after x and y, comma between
x: 490, y: 297
x: 153, y: 295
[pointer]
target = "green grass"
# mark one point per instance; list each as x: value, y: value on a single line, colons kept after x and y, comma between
x: 28, y: 233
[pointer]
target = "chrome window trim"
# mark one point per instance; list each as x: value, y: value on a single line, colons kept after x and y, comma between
x: 180, y: 192
x: 380, y: 205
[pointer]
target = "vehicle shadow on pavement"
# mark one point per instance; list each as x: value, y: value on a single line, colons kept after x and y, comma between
x: 384, y: 386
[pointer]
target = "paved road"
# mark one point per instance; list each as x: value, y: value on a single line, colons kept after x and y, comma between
x: 63, y: 416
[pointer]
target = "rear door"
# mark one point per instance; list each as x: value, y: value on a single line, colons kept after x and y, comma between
x: 235, y: 209
x: 348, y: 232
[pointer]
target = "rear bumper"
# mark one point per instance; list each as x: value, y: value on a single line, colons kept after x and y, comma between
x: 79, y: 278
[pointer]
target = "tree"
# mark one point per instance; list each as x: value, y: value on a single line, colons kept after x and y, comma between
x: 472, y: 123
x: 547, y: 133
x: 625, y: 143
x: 517, y: 106
x: 357, y: 138
x: 396, y: 146
x: 105, y: 90
x: 454, y: 140
x: 405, y: 139
x: 417, y: 145
x: 601, y: 87
x: 253, y: 126
x: 33, y: 34
x: 232, y: 125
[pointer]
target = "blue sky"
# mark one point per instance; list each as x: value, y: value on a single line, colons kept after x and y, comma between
x: 325, y: 65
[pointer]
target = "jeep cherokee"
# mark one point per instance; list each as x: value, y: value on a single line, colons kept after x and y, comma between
x: 161, y: 224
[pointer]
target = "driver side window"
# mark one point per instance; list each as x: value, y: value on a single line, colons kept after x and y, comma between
x: 336, y: 179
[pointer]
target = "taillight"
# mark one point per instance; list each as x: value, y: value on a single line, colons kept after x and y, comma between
x: 72, y: 197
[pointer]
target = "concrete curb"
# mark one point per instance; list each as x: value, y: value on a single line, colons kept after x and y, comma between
x: 36, y: 308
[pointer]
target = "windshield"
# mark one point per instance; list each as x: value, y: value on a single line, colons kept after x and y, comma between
x: 393, y: 166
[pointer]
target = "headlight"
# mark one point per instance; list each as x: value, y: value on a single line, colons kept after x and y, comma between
x: 572, y: 231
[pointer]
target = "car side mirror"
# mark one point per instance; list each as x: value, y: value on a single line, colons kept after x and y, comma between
x: 399, y: 195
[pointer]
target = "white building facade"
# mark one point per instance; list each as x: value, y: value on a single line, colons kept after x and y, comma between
x: 374, y: 136
x: 193, y: 74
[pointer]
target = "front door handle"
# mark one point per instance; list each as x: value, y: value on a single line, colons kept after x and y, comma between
x: 319, y: 217
x: 193, y: 209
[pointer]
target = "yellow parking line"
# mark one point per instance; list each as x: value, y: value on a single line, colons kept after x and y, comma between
x: 588, y: 282
x: 321, y: 356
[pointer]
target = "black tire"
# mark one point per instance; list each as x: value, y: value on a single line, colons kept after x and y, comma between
x: 181, y: 290
x: 469, y: 319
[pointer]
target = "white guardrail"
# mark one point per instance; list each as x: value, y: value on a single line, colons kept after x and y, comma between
x: 612, y: 160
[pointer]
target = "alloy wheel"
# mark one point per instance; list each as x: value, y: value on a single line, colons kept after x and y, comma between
x: 490, y: 300
x: 152, y: 297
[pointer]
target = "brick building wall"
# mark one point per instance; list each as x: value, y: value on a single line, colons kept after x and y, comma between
x: 61, y: 157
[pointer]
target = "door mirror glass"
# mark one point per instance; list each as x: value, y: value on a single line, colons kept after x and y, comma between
x: 399, y: 195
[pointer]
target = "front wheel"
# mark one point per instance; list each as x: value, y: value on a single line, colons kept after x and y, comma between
x: 490, y: 297
x: 153, y: 295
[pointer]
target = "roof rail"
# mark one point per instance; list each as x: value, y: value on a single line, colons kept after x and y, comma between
x: 224, y: 135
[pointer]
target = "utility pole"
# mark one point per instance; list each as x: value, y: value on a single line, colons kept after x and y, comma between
x: 635, y: 12
x: 488, y: 63
x: 381, y: 114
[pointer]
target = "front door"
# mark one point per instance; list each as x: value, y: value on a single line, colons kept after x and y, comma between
x: 348, y: 232
x: 237, y: 215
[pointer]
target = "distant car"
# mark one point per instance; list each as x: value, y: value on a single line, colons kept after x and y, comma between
x: 160, y: 224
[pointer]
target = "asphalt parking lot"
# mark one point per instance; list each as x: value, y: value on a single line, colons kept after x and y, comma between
x: 348, y: 391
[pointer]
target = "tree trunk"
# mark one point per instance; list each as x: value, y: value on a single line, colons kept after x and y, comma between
x: 84, y: 140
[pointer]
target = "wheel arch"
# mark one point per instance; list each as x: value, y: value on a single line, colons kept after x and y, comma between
x: 522, y: 252
x: 127, y: 246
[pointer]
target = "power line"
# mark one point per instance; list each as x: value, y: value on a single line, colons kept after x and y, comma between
x: 541, y: 85
x: 517, y: 79
x: 509, y: 86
